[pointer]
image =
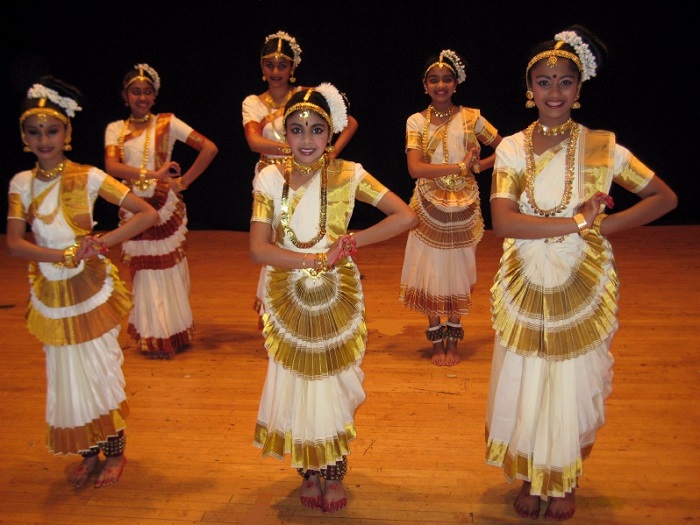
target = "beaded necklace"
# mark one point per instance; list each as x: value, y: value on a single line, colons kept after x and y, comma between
x: 284, y: 216
x: 301, y: 168
x: 426, y: 129
x: 551, y: 131
x: 140, y: 120
x: 137, y: 183
x: 50, y: 174
x: 440, y: 114
x: 38, y: 200
x: 530, y: 171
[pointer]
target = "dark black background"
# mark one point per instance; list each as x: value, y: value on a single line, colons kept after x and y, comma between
x: 207, y: 54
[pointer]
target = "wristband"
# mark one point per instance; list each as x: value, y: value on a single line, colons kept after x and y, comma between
x: 597, y: 221
x: 581, y: 223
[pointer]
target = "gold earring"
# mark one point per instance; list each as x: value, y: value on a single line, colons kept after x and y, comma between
x: 576, y: 105
x: 530, y: 103
x: 66, y: 144
x: 27, y: 149
x: 264, y: 78
x: 330, y: 148
x: 292, y: 79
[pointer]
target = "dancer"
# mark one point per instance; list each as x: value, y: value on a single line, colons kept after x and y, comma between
x: 262, y: 114
x: 77, y: 299
x: 555, y: 295
x: 443, y: 152
x: 139, y: 151
x: 314, y: 320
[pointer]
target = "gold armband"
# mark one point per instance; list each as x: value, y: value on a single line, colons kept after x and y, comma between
x: 581, y: 223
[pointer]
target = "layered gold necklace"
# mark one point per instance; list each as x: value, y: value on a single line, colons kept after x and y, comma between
x: 38, y: 200
x: 302, y: 168
x: 440, y: 114
x: 272, y: 108
x: 530, y: 171
x: 551, y: 131
x: 426, y: 130
x: 284, y: 206
x: 141, y: 184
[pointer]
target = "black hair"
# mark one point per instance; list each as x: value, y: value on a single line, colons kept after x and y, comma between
x: 270, y: 48
x: 63, y: 88
x: 315, y: 98
x: 595, y: 44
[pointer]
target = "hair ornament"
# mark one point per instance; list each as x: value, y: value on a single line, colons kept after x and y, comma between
x: 336, y: 103
x: 588, y: 61
x: 458, y: 64
x: 155, y: 78
x: 292, y: 43
x: 68, y: 104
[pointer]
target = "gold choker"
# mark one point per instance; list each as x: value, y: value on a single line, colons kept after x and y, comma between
x: 301, y: 168
x: 440, y: 114
x: 52, y: 173
x: 550, y: 131
x: 141, y: 120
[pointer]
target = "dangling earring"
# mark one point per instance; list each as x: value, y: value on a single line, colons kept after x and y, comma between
x: 576, y: 105
x: 530, y: 103
x: 26, y: 147
x: 264, y: 78
x: 292, y: 78
x: 330, y: 148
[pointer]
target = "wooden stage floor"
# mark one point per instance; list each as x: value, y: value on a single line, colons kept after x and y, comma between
x: 419, y: 455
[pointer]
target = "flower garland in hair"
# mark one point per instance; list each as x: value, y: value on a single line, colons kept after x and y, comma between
x: 292, y: 43
x: 152, y: 73
x: 67, y: 103
x: 457, y: 62
x: 336, y: 103
x: 582, y: 51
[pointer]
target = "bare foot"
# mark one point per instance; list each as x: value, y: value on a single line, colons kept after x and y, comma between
x: 111, y: 472
x: 561, y: 509
x: 451, y: 355
x: 334, y: 497
x: 438, y: 357
x: 82, y: 472
x: 526, y: 504
x: 310, y: 494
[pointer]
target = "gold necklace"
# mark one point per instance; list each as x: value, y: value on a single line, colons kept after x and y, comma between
x: 144, y: 184
x: 38, y: 200
x: 284, y: 207
x: 426, y: 129
x: 270, y: 102
x: 141, y: 120
x: 440, y: 114
x: 551, y: 131
x: 530, y: 171
x: 306, y: 169
x: 50, y: 174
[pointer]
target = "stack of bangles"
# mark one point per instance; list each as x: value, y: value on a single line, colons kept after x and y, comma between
x: 69, y: 257
x: 97, y: 243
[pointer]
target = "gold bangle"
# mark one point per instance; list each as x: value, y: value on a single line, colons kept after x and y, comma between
x: 142, y: 174
x: 303, y: 261
x: 476, y: 168
x: 69, y: 259
x: 581, y: 223
x: 462, y: 168
x: 597, y: 221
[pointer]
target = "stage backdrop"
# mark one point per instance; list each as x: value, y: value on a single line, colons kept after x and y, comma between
x: 208, y: 58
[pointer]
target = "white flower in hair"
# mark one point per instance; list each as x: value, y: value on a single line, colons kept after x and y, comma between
x: 459, y: 66
x: 583, y: 52
x: 292, y: 43
x: 67, y: 103
x: 336, y: 103
x: 152, y: 73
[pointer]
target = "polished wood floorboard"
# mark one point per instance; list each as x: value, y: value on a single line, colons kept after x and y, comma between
x: 419, y: 455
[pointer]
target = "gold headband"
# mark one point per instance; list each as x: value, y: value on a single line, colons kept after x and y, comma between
x: 278, y: 53
x: 45, y: 112
x: 304, y: 105
x: 141, y: 77
x: 440, y: 63
x: 551, y: 56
